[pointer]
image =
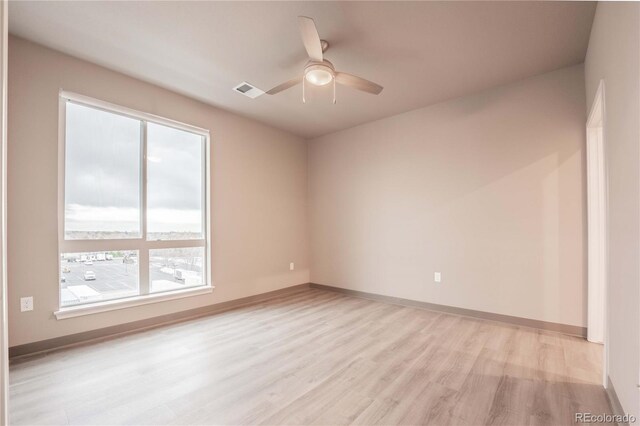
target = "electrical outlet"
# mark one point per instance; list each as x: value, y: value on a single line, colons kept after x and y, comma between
x: 292, y: 266
x: 437, y: 277
x: 26, y: 304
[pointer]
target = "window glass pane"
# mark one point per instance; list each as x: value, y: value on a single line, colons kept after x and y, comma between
x: 102, y: 174
x: 98, y: 276
x: 175, y: 176
x: 174, y: 269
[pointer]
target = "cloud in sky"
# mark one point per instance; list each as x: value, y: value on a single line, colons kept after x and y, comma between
x: 103, y: 168
x: 175, y: 174
x: 102, y: 156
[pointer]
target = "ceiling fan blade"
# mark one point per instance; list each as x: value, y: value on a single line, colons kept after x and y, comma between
x: 310, y: 38
x: 358, y: 83
x: 284, y: 86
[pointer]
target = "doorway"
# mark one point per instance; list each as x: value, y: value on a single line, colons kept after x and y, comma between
x: 597, y: 226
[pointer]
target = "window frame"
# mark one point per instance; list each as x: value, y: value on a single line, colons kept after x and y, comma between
x: 141, y: 243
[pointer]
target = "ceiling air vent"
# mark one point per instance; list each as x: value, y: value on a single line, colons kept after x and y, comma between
x: 248, y: 90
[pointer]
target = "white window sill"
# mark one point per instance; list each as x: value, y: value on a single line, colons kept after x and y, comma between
x: 112, y: 305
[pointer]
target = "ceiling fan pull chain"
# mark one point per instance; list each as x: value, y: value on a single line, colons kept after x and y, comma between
x: 304, y: 101
x: 334, y: 91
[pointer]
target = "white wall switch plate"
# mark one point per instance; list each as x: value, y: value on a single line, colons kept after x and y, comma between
x: 437, y: 277
x: 26, y: 304
x: 292, y: 266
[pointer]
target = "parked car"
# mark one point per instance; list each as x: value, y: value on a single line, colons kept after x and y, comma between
x: 89, y: 276
x: 100, y: 257
x: 66, y: 269
x: 63, y: 279
x: 88, y: 263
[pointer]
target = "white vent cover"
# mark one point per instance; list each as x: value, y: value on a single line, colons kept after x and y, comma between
x: 248, y: 90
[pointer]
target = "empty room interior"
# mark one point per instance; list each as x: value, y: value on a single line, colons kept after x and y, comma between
x: 319, y: 212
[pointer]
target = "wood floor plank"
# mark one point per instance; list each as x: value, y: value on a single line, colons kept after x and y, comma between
x: 318, y: 358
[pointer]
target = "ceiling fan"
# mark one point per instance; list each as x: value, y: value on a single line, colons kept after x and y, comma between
x: 318, y: 71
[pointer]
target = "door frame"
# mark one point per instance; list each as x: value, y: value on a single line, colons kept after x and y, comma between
x: 598, y: 250
x: 4, y: 345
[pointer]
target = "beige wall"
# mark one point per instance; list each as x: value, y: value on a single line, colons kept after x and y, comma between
x: 258, y: 192
x: 613, y: 55
x: 488, y: 189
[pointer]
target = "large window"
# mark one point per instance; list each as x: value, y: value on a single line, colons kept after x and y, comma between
x: 133, y: 204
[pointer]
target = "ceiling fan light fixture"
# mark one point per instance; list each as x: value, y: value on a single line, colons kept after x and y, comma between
x: 318, y: 75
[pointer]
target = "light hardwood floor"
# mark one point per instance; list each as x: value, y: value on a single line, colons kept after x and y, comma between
x: 316, y: 357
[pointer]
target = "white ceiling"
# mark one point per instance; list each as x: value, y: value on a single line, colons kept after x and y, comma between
x: 421, y: 52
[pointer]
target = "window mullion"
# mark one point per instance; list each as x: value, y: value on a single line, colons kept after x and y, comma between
x: 160, y: 244
x: 75, y: 246
x: 143, y: 257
